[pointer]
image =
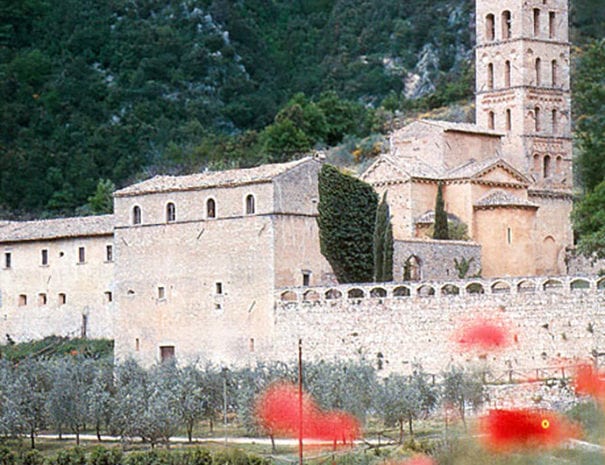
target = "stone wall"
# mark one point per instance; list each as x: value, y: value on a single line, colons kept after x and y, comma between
x: 64, y: 296
x: 551, y: 322
x: 436, y: 258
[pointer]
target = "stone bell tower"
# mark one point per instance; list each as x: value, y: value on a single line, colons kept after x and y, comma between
x: 523, y: 91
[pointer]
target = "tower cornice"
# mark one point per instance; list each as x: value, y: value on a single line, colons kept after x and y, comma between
x: 498, y: 43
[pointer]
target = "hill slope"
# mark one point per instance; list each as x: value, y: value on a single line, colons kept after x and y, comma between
x: 114, y: 89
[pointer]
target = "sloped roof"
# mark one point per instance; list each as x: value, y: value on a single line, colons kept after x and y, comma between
x: 462, y: 127
x: 235, y: 177
x: 474, y: 169
x: 408, y: 166
x: 428, y: 217
x: 500, y: 198
x: 14, y: 231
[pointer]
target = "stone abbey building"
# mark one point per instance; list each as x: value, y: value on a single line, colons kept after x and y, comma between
x: 199, y: 266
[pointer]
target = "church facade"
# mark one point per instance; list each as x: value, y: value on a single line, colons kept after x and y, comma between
x: 188, y: 266
x: 508, y: 177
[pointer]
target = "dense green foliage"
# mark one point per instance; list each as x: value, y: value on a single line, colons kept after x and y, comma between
x: 75, y: 393
x: 115, y: 456
x: 383, y: 243
x: 56, y: 346
x: 589, y: 212
x: 589, y: 101
x: 441, y: 227
x: 117, y: 89
x: 589, y: 222
x: 347, y: 214
x: 106, y: 91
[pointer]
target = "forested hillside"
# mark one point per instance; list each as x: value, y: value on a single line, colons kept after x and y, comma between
x: 117, y: 90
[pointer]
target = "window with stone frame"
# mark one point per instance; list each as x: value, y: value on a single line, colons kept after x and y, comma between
x: 210, y: 208
x: 136, y: 215
x: 170, y: 212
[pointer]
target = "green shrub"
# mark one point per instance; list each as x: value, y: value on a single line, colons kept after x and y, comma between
x: 32, y: 457
x: 6, y: 456
x: 197, y: 456
x: 73, y: 456
x: 590, y: 418
x: 103, y: 456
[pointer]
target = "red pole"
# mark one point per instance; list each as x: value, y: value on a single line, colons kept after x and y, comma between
x: 300, y: 404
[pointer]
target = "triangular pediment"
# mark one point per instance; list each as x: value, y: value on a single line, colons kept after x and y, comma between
x: 384, y: 170
x: 501, y: 172
x: 497, y: 171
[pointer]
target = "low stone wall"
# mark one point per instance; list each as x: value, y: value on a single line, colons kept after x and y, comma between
x: 581, y: 265
x: 550, y: 322
x: 435, y: 259
x: 36, y: 323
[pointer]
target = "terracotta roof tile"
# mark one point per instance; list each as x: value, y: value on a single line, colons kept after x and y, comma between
x: 501, y: 198
x: 462, y: 127
x: 14, y: 231
x: 207, y: 179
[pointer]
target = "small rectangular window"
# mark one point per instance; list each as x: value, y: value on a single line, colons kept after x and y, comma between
x: 42, y: 299
x: 7, y: 260
x: 306, y: 278
x: 251, y: 344
x: 218, y: 307
x: 509, y: 235
x: 108, y: 296
x: 62, y: 298
x: 219, y: 288
x: 44, y: 258
x: 109, y: 253
x: 166, y: 353
x: 22, y: 300
x: 161, y: 292
x: 81, y: 254
x: 137, y: 344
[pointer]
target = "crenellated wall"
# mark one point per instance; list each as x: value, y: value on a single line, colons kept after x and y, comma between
x: 551, y: 322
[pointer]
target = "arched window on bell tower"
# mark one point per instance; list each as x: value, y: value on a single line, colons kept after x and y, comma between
x: 537, y: 119
x: 546, y: 172
x: 506, y: 25
x: 489, y: 28
x: 552, y: 25
x: 536, y: 22
x: 509, y: 120
x: 507, y: 73
x: 559, y: 165
x: 555, y: 122
x: 554, y: 71
x: 536, y: 163
x: 538, y: 72
x: 491, y: 120
x: 490, y: 76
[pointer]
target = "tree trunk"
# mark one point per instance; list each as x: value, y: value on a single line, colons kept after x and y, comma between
x: 400, y: 431
x: 273, y: 448
x: 462, y: 416
x: 410, y: 425
x: 77, y: 437
x: 33, y: 440
x: 98, y: 428
x: 211, y: 425
x: 190, y: 431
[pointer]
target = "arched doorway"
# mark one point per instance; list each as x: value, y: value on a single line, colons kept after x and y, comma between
x: 412, y: 269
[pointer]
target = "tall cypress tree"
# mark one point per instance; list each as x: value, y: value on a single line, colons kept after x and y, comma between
x: 383, y: 243
x: 387, y: 262
x: 347, y: 215
x: 379, y: 229
x: 441, y: 232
